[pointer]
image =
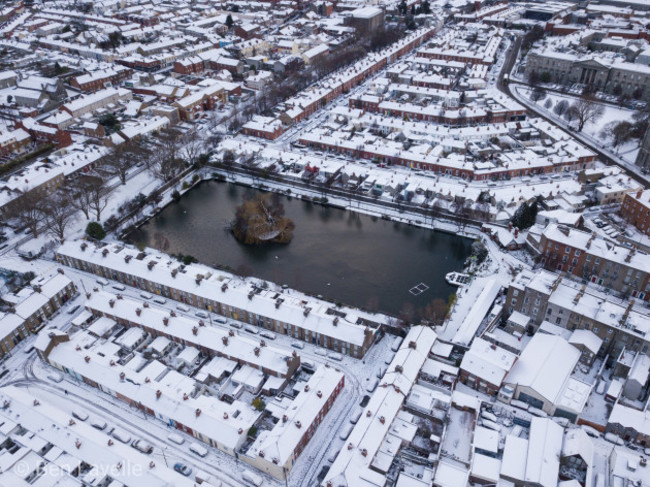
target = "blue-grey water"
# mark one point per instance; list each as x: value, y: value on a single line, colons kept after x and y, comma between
x: 355, y: 259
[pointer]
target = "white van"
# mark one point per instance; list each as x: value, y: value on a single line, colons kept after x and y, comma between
x: 121, y: 435
x: 80, y: 414
x: 252, y: 478
x: 179, y: 440
x: 198, y: 449
x: 119, y: 287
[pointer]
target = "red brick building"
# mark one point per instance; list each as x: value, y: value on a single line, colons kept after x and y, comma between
x: 636, y: 210
x: 98, y: 80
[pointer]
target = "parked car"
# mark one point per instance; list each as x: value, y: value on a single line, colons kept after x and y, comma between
x: 198, y: 449
x: 182, y: 469
x: 142, y: 446
x: 364, y: 402
x: 179, y: 440
x: 120, y: 435
x: 80, y: 414
x: 99, y: 424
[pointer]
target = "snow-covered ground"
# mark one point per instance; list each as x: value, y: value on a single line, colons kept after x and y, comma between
x: 41, y: 379
x: 625, y: 154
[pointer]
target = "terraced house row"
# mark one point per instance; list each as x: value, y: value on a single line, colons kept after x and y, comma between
x: 340, y: 329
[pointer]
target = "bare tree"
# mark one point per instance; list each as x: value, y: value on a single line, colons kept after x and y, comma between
x: 58, y: 214
x: 123, y: 157
x: 193, y: 147
x: 586, y: 110
x: 538, y: 94
x: 98, y: 192
x: 29, y: 211
x: 434, y: 312
x: 165, y: 162
x: 79, y: 194
x: 561, y: 107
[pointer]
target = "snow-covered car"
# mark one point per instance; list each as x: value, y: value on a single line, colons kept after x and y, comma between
x: 142, y: 446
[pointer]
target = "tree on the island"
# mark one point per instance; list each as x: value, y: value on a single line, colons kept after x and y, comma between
x: 402, y: 7
x: 261, y: 219
x: 95, y: 231
x: 586, y: 110
x: 57, y: 214
x: 229, y: 22
x: 425, y: 7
